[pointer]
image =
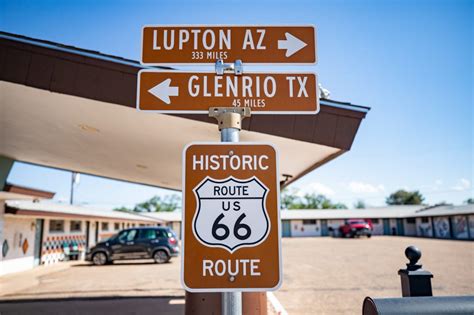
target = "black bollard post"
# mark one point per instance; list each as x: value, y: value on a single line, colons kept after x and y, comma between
x: 415, y: 280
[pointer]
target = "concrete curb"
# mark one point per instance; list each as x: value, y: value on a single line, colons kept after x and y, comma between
x: 276, y: 305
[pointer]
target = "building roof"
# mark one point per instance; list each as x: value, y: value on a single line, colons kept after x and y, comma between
x: 445, y: 210
x: 75, y: 109
x: 173, y: 216
x: 63, y: 210
x: 33, y: 192
x: 377, y: 213
x: 370, y: 213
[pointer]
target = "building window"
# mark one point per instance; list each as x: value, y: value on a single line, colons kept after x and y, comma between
x: 117, y: 226
x: 425, y: 220
x: 375, y: 221
x: 56, y: 225
x: 104, y: 226
x: 309, y: 222
x: 76, y: 226
x: 411, y: 220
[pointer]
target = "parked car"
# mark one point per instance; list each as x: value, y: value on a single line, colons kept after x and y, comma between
x: 356, y: 227
x: 157, y: 243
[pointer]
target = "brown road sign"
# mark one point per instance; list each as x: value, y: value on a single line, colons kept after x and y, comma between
x: 188, y: 44
x: 265, y: 93
x: 231, y: 237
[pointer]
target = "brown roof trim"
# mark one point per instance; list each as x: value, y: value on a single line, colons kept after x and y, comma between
x: 89, y: 74
x: 28, y: 191
x: 15, y: 211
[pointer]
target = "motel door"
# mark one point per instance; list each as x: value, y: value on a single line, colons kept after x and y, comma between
x: 286, y: 228
x: 38, y: 241
x: 386, y: 226
x: 324, y: 228
x: 400, y: 228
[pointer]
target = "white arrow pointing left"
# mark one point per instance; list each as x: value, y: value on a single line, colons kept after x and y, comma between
x: 163, y: 91
x: 292, y: 44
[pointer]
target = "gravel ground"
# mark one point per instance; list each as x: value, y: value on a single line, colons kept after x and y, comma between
x: 333, y: 276
x: 321, y: 275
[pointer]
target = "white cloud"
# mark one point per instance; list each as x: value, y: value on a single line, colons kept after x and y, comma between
x: 317, y: 188
x: 365, y: 188
x: 463, y: 184
x: 436, y: 186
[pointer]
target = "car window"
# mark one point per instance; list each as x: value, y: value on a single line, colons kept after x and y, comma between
x: 147, y: 234
x: 160, y: 233
x: 127, y: 236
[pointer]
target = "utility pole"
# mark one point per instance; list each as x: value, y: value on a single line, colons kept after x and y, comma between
x: 75, y: 177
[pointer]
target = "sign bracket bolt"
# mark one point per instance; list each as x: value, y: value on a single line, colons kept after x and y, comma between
x: 235, y: 68
x: 229, y: 117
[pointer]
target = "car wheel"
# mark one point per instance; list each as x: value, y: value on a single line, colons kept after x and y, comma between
x: 99, y: 259
x: 161, y: 257
x: 369, y: 235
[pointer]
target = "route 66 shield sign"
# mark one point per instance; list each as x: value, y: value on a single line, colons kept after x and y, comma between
x: 237, y: 210
x: 231, y: 223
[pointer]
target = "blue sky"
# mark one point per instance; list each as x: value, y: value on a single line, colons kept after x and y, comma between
x: 410, y: 61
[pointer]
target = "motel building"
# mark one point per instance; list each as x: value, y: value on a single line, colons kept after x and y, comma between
x: 445, y: 222
x: 36, y: 231
x: 450, y: 222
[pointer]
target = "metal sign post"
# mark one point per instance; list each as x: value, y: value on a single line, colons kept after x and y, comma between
x: 231, y: 220
x: 230, y: 123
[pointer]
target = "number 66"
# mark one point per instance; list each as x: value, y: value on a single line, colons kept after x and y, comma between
x: 238, y: 225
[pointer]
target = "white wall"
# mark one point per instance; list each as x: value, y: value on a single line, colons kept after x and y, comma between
x: 377, y: 227
x: 299, y: 229
x: 335, y: 224
x: 410, y: 228
x: 92, y: 227
x: 176, y: 227
x: 441, y: 226
x: 460, y: 227
x: 424, y: 229
x: 19, y: 234
x: 105, y: 234
x: 52, y: 246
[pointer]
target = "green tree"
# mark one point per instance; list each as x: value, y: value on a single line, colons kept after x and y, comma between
x: 403, y: 197
x: 156, y: 204
x: 338, y: 205
x: 360, y: 204
x: 291, y: 200
x: 123, y: 209
x: 288, y: 198
x: 469, y: 201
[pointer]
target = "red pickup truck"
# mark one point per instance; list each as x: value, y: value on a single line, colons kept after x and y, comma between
x: 356, y: 227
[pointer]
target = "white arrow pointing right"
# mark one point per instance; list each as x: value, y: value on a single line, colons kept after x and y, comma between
x: 163, y: 91
x: 292, y: 44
